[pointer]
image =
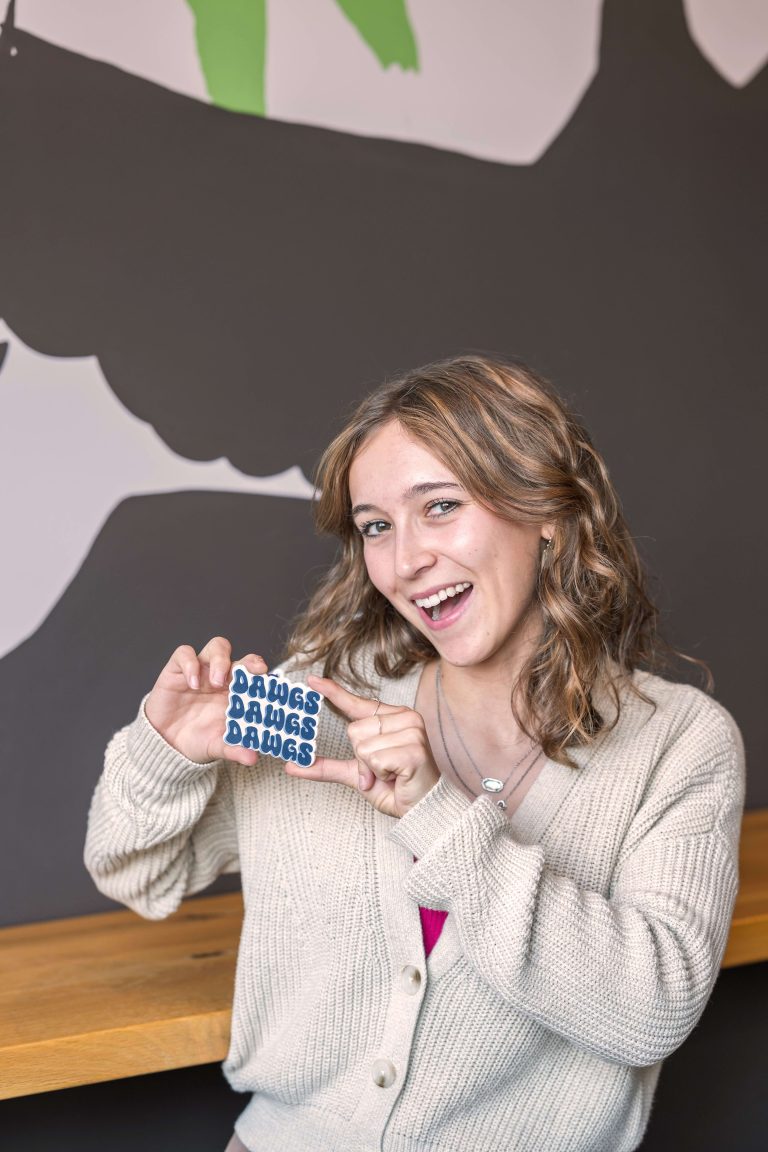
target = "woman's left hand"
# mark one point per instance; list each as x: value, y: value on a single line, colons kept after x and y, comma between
x: 393, y: 767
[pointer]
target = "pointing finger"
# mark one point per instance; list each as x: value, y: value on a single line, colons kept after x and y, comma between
x: 352, y: 706
x: 330, y: 772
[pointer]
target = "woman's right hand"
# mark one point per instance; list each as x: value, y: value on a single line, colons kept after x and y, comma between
x: 188, y: 703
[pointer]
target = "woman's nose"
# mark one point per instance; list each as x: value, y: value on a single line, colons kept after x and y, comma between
x: 412, y: 554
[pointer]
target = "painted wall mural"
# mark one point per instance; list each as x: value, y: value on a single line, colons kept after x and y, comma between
x: 107, y: 456
x: 493, y: 79
x: 191, y: 296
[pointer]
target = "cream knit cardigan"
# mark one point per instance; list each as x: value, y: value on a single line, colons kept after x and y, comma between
x: 584, y: 935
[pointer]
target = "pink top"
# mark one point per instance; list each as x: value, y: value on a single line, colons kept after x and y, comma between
x: 431, y: 926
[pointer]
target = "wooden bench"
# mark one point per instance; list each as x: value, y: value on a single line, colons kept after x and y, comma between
x: 101, y: 997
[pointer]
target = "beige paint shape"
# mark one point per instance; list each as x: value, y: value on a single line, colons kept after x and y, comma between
x: 731, y: 34
x: 70, y: 452
x: 154, y: 39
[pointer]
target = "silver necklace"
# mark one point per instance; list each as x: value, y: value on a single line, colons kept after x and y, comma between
x: 489, y: 783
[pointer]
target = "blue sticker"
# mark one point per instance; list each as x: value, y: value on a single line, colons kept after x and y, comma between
x: 273, y: 716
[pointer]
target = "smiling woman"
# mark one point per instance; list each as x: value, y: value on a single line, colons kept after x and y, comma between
x: 492, y: 455
x: 500, y: 895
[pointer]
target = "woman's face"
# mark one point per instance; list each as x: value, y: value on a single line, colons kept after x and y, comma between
x: 463, y: 576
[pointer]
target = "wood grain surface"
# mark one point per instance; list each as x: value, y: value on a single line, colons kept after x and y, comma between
x: 101, y: 997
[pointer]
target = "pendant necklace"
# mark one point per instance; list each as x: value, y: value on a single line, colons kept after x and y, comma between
x: 489, y: 783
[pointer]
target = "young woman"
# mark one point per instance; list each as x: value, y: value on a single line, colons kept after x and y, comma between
x: 500, y: 896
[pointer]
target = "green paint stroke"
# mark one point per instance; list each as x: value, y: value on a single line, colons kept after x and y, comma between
x: 386, y: 29
x: 232, y: 45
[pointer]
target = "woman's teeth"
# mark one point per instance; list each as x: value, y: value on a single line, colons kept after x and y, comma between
x: 434, y: 601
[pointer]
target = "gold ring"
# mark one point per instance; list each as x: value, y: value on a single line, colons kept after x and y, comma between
x: 378, y: 705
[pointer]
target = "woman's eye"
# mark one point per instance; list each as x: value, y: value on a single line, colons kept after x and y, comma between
x: 442, y: 507
x: 373, y: 528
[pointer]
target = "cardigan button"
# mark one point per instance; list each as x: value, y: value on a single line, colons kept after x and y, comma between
x: 410, y: 979
x: 384, y: 1073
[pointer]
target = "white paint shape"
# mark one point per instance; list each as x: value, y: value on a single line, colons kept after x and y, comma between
x: 732, y: 35
x: 150, y: 38
x: 70, y: 452
x: 497, y: 80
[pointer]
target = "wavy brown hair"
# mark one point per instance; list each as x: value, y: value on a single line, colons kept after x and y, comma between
x: 513, y: 445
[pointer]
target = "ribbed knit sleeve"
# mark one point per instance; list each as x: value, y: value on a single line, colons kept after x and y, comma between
x: 625, y: 971
x: 160, y: 826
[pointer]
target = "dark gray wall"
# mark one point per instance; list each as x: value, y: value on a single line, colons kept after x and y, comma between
x: 241, y: 307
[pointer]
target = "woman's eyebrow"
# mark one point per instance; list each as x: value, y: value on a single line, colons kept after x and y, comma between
x: 429, y: 486
x: 409, y: 494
